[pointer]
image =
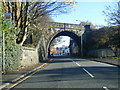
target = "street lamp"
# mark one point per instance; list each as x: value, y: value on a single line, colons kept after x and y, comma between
x: 81, y: 42
x: 81, y: 46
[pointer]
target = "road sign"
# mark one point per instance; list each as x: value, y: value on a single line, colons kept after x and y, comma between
x: 8, y: 17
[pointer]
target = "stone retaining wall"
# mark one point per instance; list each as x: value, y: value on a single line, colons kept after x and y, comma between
x: 29, y: 56
x: 107, y: 52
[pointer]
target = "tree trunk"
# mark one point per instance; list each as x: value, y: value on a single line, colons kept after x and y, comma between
x: 24, y: 37
x: 24, y: 25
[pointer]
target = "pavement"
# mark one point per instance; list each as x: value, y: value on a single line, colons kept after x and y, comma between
x: 14, y: 76
x: 106, y: 60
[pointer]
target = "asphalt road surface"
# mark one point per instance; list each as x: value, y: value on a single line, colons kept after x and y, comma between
x: 74, y: 73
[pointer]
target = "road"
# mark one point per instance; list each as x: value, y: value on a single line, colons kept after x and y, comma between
x: 74, y: 73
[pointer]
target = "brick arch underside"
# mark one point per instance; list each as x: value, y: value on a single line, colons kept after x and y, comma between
x: 72, y: 35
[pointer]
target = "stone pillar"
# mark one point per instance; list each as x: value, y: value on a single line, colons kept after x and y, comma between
x: 87, y: 28
x: 86, y: 37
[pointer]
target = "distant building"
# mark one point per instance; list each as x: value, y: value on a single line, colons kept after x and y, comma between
x: 74, y: 50
x: 66, y: 51
x: 53, y: 51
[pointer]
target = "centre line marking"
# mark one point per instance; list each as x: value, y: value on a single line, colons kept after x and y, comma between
x: 78, y: 64
x: 88, y: 73
x: 105, y: 88
x: 84, y: 70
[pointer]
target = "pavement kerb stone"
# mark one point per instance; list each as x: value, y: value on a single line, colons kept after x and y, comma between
x: 22, y: 76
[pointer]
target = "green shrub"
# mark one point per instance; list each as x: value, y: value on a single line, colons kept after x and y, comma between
x: 116, y: 58
x: 12, y: 55
x: 12, y: 50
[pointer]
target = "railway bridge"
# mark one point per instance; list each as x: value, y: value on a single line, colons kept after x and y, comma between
x: 56, y: 29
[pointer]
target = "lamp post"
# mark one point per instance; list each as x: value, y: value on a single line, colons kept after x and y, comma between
x: 81, y: 42
x: 81, y: 46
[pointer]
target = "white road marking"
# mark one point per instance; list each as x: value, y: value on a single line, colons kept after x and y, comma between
x: 88, y: 73
x: 84, y: 69
x: 105, y: 88
x: 78, y: 64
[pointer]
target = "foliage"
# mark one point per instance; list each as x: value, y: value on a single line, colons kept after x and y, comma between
x: 113, y: 18
x: 12, y: 55
x: 115, y: 39
x: 106, y: 37
x: 12, y: 50
x: 101, y: 38
x: 116, y: 58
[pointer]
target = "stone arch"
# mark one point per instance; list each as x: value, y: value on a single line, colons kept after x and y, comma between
x: 71, y: 34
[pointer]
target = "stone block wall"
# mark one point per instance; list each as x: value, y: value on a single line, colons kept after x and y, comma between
x: 101, y: 53
x: 29, y: 56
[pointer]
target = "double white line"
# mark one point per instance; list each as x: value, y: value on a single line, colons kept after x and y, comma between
x: 84, y: 69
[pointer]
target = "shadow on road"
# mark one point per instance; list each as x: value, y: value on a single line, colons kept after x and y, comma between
x: 65, y: 59
x: 102, y: 74
x: 60, y: 57
x: 59, y: 72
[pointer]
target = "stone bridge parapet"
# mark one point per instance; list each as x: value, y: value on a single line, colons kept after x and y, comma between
x: 56, y: 27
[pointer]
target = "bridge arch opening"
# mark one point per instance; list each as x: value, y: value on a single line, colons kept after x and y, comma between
x: 70, y: 34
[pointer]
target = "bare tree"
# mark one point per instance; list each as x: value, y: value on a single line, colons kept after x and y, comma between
x: 25, y: 13
x: 36, y: 29
x: 113, y: 14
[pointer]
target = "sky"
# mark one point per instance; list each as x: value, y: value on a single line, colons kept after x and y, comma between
x: 85, y: 11
x: 66, y: 43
